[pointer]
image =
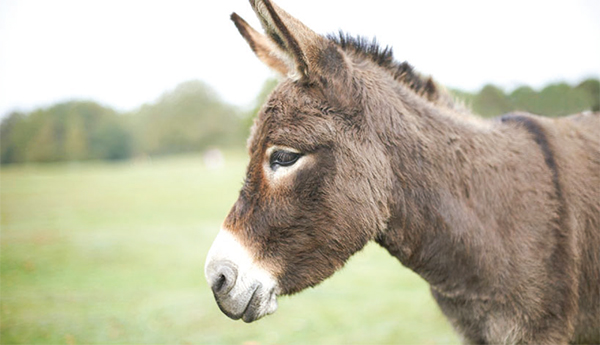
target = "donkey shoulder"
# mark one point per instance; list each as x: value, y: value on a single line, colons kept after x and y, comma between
x: 566, y: 141
x: 571, y: 152
x: 577, y: 146
x: 571, y: 147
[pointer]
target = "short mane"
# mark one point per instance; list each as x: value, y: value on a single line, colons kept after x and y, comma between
x: 401, y: 71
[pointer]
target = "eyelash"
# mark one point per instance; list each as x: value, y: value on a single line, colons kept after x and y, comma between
x: 282, y: 158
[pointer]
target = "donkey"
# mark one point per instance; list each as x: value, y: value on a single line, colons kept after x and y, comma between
x: 501, y: 217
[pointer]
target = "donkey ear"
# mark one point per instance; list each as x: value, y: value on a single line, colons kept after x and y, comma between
x: 262, y: 46
x: 302, y: 48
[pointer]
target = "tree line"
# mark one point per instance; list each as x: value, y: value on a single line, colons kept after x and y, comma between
x: 557, y: 99
x: 193, y: 118
x: 189, y: 118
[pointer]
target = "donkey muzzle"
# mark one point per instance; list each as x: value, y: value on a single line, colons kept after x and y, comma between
x: 242, y: 289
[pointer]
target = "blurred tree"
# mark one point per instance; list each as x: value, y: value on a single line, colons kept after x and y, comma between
x: 560, y: 99
x: 11, y: 145
x: 43, y: 146
x: 591, y: 88
x: 110, y: 141
x: 76, y: 145
x: 190, y: 118
x: 74, y: 130
x: 554, y: 100
x: 9, y: 152
x: 525, y: 98
x: 491, y: 101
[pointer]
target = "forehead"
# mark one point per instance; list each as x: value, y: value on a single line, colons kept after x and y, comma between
x: 294, y: 115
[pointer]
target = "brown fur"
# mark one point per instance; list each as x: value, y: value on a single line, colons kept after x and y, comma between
x: 500, y: 217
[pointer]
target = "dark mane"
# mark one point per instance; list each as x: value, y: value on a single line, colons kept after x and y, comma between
x: 384, y: 57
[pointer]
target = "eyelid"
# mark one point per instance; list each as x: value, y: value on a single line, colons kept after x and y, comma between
x: 284, y: 158
x: 274, y: 148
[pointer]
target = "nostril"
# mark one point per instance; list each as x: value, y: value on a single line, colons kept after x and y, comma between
x: 220, y: 283
x: 225, y: 277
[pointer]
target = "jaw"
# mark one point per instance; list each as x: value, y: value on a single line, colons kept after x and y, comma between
x: 251, y: 292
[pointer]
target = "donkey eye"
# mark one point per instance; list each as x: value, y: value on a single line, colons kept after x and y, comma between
x: 283, y: 158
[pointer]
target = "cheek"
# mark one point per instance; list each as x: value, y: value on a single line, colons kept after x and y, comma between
x: 289, y: 225
x: 308, y: 261
x: 315, y: 244
x: 310, y: 185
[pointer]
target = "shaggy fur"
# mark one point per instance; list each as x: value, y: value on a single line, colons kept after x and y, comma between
x: 500, y: 217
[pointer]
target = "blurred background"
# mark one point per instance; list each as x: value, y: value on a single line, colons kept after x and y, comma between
x: 122, y: 148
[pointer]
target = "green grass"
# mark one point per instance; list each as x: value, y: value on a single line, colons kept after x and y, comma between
x: 101, y: 253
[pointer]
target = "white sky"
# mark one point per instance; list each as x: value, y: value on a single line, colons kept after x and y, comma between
x: 124, y: 53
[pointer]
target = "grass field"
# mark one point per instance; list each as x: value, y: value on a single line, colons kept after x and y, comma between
x: 101, y: 253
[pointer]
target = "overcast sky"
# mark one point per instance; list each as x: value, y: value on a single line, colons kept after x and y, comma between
x: 124, y: 53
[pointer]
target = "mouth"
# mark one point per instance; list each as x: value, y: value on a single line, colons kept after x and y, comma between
x: 259, y: 304
x: 250, y: 313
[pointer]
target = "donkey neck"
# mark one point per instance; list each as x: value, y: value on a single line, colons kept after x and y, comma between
x: 439, y: 157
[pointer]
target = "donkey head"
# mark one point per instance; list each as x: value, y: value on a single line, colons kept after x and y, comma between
x: 315, y: 189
